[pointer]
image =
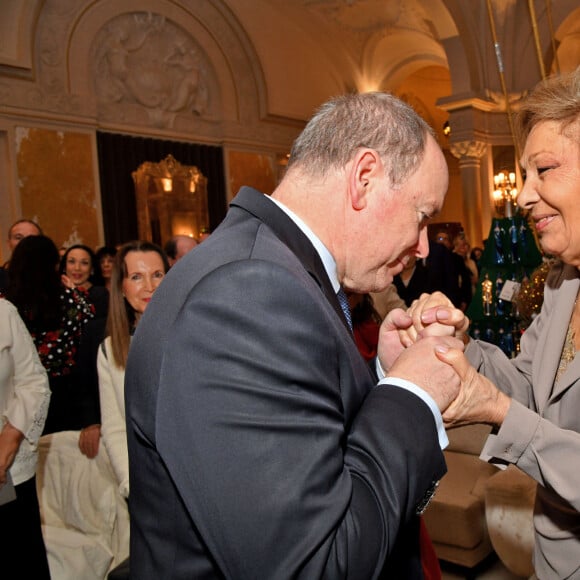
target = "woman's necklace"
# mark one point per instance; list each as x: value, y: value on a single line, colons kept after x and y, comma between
x: 571, y: 345
x: 575, y: 325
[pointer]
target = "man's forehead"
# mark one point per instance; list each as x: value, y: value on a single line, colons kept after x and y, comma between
x: 23, y: 228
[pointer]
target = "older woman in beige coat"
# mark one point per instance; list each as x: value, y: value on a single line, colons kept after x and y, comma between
x: 533, y: 401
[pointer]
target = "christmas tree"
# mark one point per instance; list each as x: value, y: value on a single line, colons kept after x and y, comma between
x: 510, y: 256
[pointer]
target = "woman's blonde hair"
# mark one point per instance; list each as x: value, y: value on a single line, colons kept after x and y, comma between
x: 555, y: 99
x: 121, y: 318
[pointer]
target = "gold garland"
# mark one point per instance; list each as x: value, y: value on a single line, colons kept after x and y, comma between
x: 531, y: 295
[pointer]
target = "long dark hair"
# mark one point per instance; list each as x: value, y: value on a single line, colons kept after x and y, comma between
x: 96, y: 278
x: 34, y: 283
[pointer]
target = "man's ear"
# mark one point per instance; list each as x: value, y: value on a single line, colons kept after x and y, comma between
x: 365, y: 169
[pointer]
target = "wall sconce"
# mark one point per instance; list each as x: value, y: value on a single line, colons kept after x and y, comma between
x: 167, y: 183
x: 446, y: 129
x: 194, y: 176
x: 505, y: 193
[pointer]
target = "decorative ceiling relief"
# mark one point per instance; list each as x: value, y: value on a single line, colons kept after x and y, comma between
x: 360, y: 15
x: 365, y: 24
x: 370, y: 16
x: 144, y: 60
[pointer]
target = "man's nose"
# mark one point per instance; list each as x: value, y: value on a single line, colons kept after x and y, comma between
x: 423, y: 246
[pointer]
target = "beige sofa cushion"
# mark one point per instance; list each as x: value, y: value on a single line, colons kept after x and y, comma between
x: 468, y: 439
x: 456, y: 514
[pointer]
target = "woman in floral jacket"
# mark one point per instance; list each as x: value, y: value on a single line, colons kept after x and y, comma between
x: 54, y: 316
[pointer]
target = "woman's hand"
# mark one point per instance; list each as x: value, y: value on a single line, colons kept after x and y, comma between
x: 420, y: 365
x: 429, y: 315
x: 479, y: 400
x: 89, y: 440
x: 10, y: 439
x: 435, y: 315
x: 66, y: 282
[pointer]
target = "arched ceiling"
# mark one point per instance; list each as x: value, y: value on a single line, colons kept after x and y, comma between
x: 308, y: 50
x: 311, y: 49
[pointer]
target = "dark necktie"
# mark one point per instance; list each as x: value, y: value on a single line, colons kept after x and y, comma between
x: 342, y: 298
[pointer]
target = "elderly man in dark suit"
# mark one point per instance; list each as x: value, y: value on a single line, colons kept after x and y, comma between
x: 260, y: 443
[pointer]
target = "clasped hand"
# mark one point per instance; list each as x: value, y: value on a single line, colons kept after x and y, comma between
x: 425, y: 346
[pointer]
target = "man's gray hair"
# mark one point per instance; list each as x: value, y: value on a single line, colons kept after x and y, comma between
x: 376, y: 120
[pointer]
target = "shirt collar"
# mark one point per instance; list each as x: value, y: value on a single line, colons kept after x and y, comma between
x: 327, y: 260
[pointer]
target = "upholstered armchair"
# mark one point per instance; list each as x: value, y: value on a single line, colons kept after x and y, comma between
x: 509, y: 507
x: 456, y: 518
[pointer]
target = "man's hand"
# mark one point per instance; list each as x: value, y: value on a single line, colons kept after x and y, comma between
x: 10, y: 440
x: 421, y: 364
x: 392, y: 337
x: 479, y: 400
x: 89, y: 440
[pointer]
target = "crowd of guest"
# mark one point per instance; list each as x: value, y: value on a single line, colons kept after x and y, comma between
x: 67, y: 320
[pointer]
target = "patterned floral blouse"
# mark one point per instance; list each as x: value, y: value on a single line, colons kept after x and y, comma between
x: 57, y: 348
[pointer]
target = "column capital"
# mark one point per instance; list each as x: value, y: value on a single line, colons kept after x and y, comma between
x: 474, y: 149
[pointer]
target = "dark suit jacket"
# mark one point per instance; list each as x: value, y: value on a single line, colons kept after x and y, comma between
x: 87, y: 381
x: 258, y: 447
x: 443, y: 274
x: 3, y: 280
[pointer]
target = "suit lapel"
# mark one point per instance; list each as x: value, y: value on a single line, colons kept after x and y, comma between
x: 292, y: 236
x: 546, y: 365
x: 559, y: 328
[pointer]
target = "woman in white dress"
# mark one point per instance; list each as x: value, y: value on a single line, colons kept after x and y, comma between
x: 139, y: 269
x: 24, y: 398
